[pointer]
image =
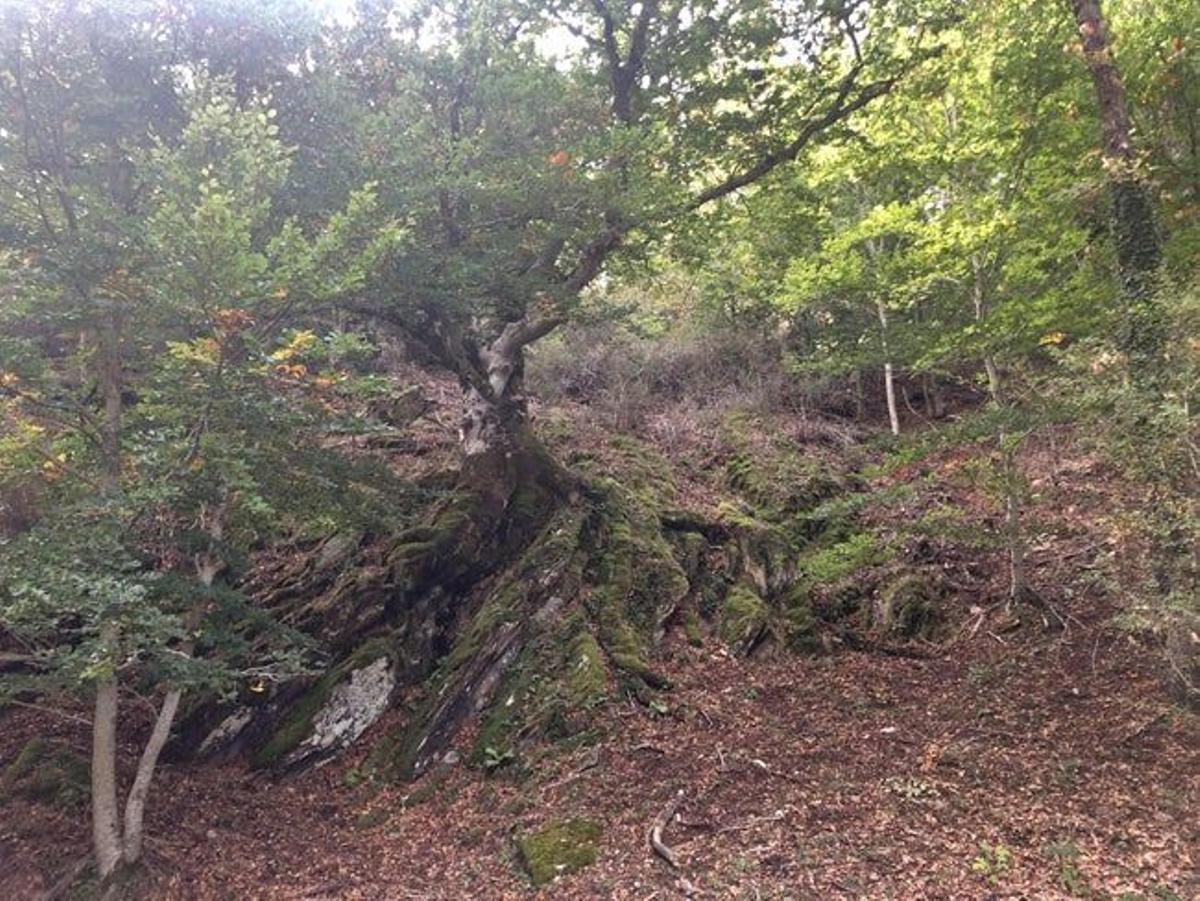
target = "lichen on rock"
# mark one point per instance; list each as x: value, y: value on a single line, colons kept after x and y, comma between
x: 333, y: 712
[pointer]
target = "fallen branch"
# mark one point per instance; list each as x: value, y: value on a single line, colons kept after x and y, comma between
x: 660, y: 823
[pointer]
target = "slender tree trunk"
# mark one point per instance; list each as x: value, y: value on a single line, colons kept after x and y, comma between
x: 135, y: 804
x: 979, y: 298
x: 1139, y: 248
x: 106, y: 835
x: 1010, y: 473
x: 1012, y: 525
x: 108, y: 371
x: 889, y: 384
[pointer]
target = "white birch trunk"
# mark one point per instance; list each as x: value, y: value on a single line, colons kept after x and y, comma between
x: 889, y: 384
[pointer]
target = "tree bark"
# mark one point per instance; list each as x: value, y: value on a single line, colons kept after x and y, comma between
x: 979, y: 297
x: 1017, y: 585
x: 889, y: 384
x: 1139, y: 248
x: 135, y: 804
x: 106, y: 836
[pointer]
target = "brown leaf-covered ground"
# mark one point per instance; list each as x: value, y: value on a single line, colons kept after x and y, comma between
x: 1015, y: 762
x: 846, y: 776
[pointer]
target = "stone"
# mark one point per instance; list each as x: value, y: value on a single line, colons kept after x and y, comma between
x: 351, y: 707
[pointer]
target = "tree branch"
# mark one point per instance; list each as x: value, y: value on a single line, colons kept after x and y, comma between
x: 840, y: 108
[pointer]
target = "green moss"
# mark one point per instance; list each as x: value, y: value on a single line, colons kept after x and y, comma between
x: 799, y: 623
x: 298, y: 723
x: 743, y: 618
x: 587, y: 676
x: 44, y: 772
x: 691, y: 628
x: 769, y: 472
x: 34, y: 752
x: 493, y: 745
x: 554, y: 556
x: 768, y: 555
x: 832, y: 564
x: 560, y: 848
x: 909, y: 605
x: 635, y: 578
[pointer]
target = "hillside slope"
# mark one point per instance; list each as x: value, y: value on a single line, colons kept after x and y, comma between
x: 980, y: 752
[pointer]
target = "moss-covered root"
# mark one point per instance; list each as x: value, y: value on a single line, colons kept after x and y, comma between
x: 587, y: 600
x: 524, y: 602
x: 635, y: 581
x: 559, y: 848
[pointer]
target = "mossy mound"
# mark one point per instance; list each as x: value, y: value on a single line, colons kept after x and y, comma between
x: 559, y: 848
x: 47, y: 773
x: 910, y: 605
x: 769, y: 472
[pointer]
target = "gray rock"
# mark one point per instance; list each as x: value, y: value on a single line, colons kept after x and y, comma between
x: 351, y: 708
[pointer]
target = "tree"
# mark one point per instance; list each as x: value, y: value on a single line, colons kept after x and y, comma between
x: 143, y: 256
x: 1139, y: 248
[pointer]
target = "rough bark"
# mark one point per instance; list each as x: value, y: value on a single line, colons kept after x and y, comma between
x: 1139, y: 247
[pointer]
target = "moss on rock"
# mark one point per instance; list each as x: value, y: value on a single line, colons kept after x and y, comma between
x: 909, y: 606
x: 587, y: 676
x: 743, y: 619
x: 559, y: 848
x: 799, y: 622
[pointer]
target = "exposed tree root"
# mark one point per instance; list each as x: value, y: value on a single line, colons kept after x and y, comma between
x: 527, y: 596
x: 660, y: 824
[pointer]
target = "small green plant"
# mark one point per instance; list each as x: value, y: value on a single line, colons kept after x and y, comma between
x: 993, y: 863
x: 1066, y: 853
x: 495, y: 758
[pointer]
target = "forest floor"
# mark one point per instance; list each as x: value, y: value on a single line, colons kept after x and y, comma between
x: 1021, y: 759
